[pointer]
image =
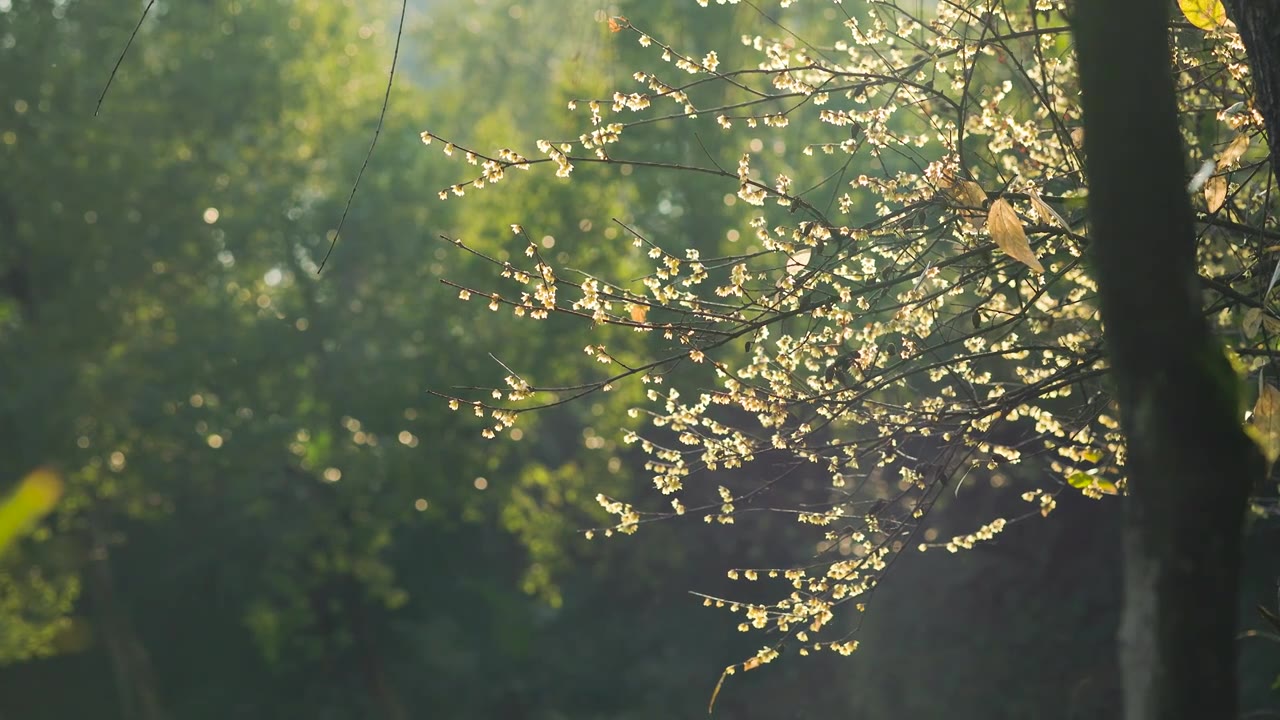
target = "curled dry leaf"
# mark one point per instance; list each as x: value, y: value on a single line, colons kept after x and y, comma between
x: 1044, y: 212
x: 1252, y: 322
x: 798, y: 261
x: 1233, y: 152
x: 1215, y: 192
x: 970, y: 195
x: 1207, y: 15
x: 1266, y: 419
x: 1006, y: 229
x: 1237, y: 109
x: 965, y: 194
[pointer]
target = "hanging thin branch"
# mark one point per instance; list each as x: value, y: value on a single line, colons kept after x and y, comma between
x: 386, y: 99
x: 120, y: 59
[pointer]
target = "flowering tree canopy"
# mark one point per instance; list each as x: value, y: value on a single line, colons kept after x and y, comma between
x: 906, y: 304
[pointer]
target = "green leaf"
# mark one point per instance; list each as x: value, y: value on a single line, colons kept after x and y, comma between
x: 1083, y: 480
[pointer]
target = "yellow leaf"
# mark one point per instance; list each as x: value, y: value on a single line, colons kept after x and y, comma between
x: 1204, y: 14
x: 1215, y: 192
x: 638, y: 312
x: 1046, y: 213
x: 1233, y: 152
x: 35, y: 497
x: 1006, y: 229
x: 1266, y: 418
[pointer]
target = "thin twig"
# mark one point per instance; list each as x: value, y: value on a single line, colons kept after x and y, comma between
x: 120, y: 59
x: 386, y: 99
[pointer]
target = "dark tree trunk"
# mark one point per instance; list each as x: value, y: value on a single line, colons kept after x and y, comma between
x: 1259, y: 24
x: 1189, y: 463
x: 136, y: 683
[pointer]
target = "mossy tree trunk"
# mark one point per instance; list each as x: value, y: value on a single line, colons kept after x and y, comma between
x: 1190, y: 464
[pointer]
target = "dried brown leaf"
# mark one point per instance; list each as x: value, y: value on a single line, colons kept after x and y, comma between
x: 970, y: 193
x: 1266, y: 418
x: 1252, y: 322
x: 1044, y: 212
x: 1215, y: 192
x: 1233, y: 152
x: 1006, y: 229
x: 967, y: 194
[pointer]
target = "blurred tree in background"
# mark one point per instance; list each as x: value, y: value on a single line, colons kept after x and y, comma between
x: 266, y: 515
